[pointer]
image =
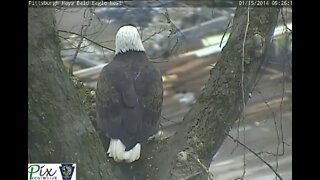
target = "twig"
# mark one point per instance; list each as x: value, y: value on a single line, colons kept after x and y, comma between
x: 284, y: 21
x: 59, y: 21
x: 266, y: 163
x: 281, y: 106
x: 159, y: 61
x: 228, y: 26
x: 191, y: 175
x: 242, y: 86
x: 83, y: 31
x: 283, y: 86
x: 173, y: 29
x: 93, y: 42
x: 102, y: 28
x: 277, y: 131
x: 166, y: 119
x: 205, y: 168
x: 155, y: 33
x: 65, y: 49
x: 276, y: 126
x: 242, y: 63
x: 281, y: 103
x: 269, y: 153
x: 75, y: 47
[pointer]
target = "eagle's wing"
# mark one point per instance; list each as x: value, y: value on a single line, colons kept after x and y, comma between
x: 149, y: 87
x: 116, y: 101
x: 107, y: 103
x: 129, y: 106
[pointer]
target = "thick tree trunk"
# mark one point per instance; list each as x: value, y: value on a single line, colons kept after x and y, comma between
x: 59, y: 130
x: 220, y: 104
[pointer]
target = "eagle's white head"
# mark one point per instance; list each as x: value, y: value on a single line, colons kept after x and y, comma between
x: 127, y: 39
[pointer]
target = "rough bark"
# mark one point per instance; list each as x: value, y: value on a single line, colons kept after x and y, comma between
x: 220, y: 104
x: 59, y: 130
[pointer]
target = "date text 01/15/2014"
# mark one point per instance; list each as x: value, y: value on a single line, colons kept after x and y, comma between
x: 265, y: 3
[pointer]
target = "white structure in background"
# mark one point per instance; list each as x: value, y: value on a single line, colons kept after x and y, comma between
x: 212, y: 43
x: 185, y: 97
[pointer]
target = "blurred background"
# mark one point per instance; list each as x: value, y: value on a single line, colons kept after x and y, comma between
x: 185, y: 43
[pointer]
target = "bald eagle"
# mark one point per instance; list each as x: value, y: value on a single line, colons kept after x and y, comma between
x: 129, y: 97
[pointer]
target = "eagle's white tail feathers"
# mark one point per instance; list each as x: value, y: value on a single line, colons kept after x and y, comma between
x: 117, y: 151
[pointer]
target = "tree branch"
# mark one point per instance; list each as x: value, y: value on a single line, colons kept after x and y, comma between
x: 83, y: 32
x: 256, y: 154
x: 93, y: 42
x: 59, y: 129
x: 203, y: 128
x: 155, y: 33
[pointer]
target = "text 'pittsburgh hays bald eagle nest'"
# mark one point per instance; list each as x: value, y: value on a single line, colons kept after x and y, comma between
x: 129, y: 97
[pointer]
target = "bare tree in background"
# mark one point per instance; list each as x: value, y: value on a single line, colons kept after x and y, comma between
x: 59, y: 130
